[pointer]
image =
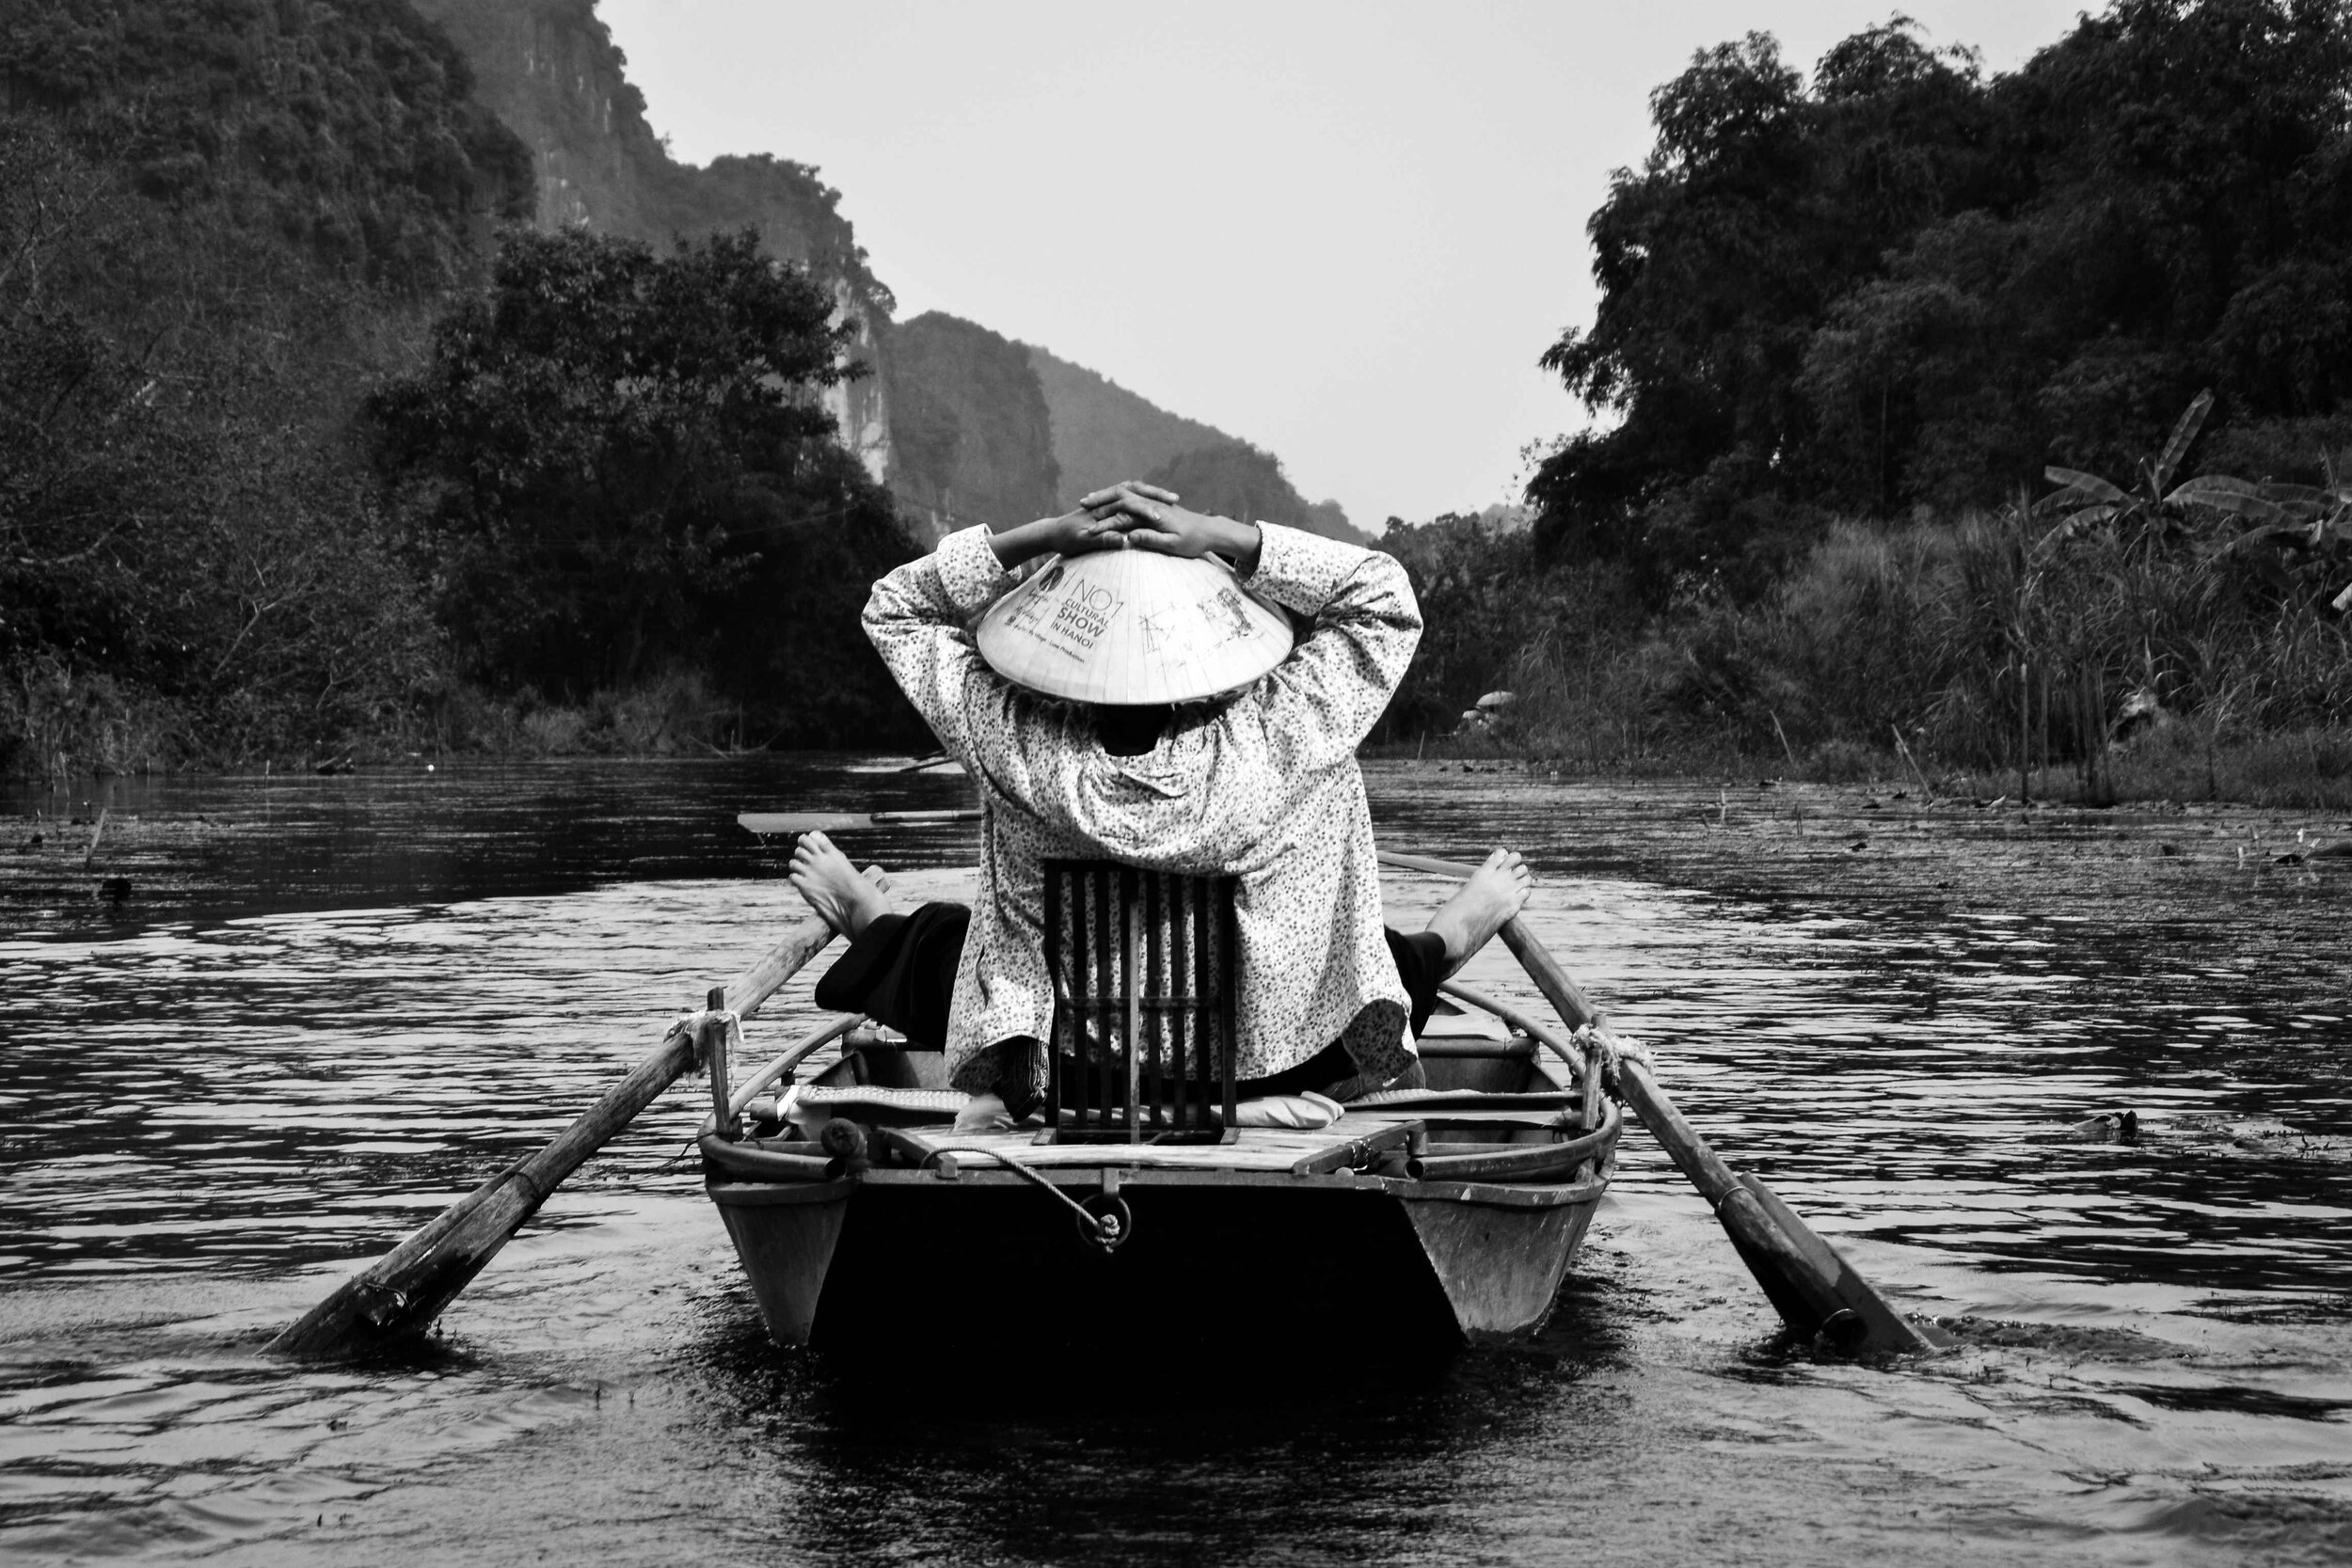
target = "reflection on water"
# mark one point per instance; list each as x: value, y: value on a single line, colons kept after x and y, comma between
x: 359, y: 995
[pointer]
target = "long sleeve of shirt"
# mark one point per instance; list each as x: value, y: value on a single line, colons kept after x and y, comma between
x: 1262, y: 784
x: 1320, y: 703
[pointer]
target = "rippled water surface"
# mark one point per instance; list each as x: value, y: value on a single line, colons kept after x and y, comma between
x: 318, y: 1009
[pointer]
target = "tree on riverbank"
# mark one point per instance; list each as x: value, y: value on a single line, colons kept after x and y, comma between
x: 1904, y: 283
x: 216, y: 222
x: 619, y: 468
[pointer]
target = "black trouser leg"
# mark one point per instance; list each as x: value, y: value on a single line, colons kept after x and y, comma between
x: 900, y: 971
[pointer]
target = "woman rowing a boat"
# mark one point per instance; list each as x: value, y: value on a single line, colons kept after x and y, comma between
x: 1134, y: 689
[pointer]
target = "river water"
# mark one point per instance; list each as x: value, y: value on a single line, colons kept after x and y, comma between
x: 314, y: 1011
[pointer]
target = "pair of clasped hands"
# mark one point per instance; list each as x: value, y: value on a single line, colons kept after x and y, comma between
x: 1131, y: 515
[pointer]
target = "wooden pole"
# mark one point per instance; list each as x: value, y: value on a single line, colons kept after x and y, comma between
x: 2025, y: 740
x: 402, y: 1292
x: 1809, y: 1283
x: 710, y: 1049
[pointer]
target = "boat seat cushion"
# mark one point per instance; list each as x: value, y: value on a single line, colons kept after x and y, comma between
x: 809, y: 1106
x: 1305, y: 1111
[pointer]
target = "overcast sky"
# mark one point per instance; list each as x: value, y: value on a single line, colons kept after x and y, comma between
x: 1342, y: 231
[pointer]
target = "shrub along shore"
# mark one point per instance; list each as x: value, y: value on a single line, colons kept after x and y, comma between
x: 1984, y: 654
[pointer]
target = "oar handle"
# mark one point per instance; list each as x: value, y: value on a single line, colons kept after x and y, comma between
x: 884, y: 818
x: 1458, y: 869
x: 1700, y: 1164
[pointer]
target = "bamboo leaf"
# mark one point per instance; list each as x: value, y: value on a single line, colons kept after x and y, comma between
x: 2091, y: 485
x: 2192, y: 419
x: 2267, y: 534
x: 2235, y: 496
x: 2075, y: 524
x: 2220, y: 485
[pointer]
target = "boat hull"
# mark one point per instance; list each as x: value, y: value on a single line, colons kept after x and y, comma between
x: 1377, y: 1263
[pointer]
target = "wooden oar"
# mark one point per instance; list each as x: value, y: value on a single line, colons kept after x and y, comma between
x: 846, y: 821
x: 1809, y: 1281
x: 402, y: 1292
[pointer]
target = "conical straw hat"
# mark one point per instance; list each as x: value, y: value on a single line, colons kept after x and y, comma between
x: 1132, y: 627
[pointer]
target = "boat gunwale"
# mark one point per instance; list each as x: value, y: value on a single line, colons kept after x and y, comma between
x: 735, y: 1191
x: 760, y: 1195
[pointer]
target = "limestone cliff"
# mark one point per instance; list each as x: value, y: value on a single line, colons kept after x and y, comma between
x: 970, y: 433
x: 551, y: 69
x: 1104, y: 432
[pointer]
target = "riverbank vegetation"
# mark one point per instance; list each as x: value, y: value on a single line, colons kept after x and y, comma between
x: 1865, y: 346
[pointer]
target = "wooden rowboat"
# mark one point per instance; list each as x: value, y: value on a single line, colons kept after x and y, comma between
x: 875, y: 1223
x: 1417, y: 1220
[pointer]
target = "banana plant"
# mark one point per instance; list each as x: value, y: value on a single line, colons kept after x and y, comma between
x: 2147, y: 508
x: 2297, y: 531
x: 2310, y: 536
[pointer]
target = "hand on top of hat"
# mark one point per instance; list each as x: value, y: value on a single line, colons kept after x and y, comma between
x: 1152, y: 520
x: 1109, y: 498
x: 1073, y: 532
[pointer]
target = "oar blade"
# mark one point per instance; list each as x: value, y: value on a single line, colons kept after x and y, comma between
x: 805, y: 821
x: 1813, y: 1288
x: 1881, y: 1327
x: 400, y: 1294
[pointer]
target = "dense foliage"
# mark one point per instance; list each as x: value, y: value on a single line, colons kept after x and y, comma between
x: 165, y: 528
x: 1483, y: 598
x: 1903, y: 283
x: 621, y: 468
x: 346, y: 131
x: 217, y: 221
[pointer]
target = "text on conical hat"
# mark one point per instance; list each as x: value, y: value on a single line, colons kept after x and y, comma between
x: 1080, y: 616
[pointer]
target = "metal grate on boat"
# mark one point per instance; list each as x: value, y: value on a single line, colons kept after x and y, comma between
x: 1148, y: 1062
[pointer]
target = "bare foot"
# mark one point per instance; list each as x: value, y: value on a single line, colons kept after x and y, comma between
x: 1473, y: 916
x: 832, y: 887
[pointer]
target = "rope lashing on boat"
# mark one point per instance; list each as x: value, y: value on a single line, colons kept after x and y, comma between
x: 1109, y: 1229
x: 1606, y: 1049
x: 694, y: 1024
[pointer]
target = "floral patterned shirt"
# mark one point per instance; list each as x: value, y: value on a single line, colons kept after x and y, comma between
x: 1261, y: 786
